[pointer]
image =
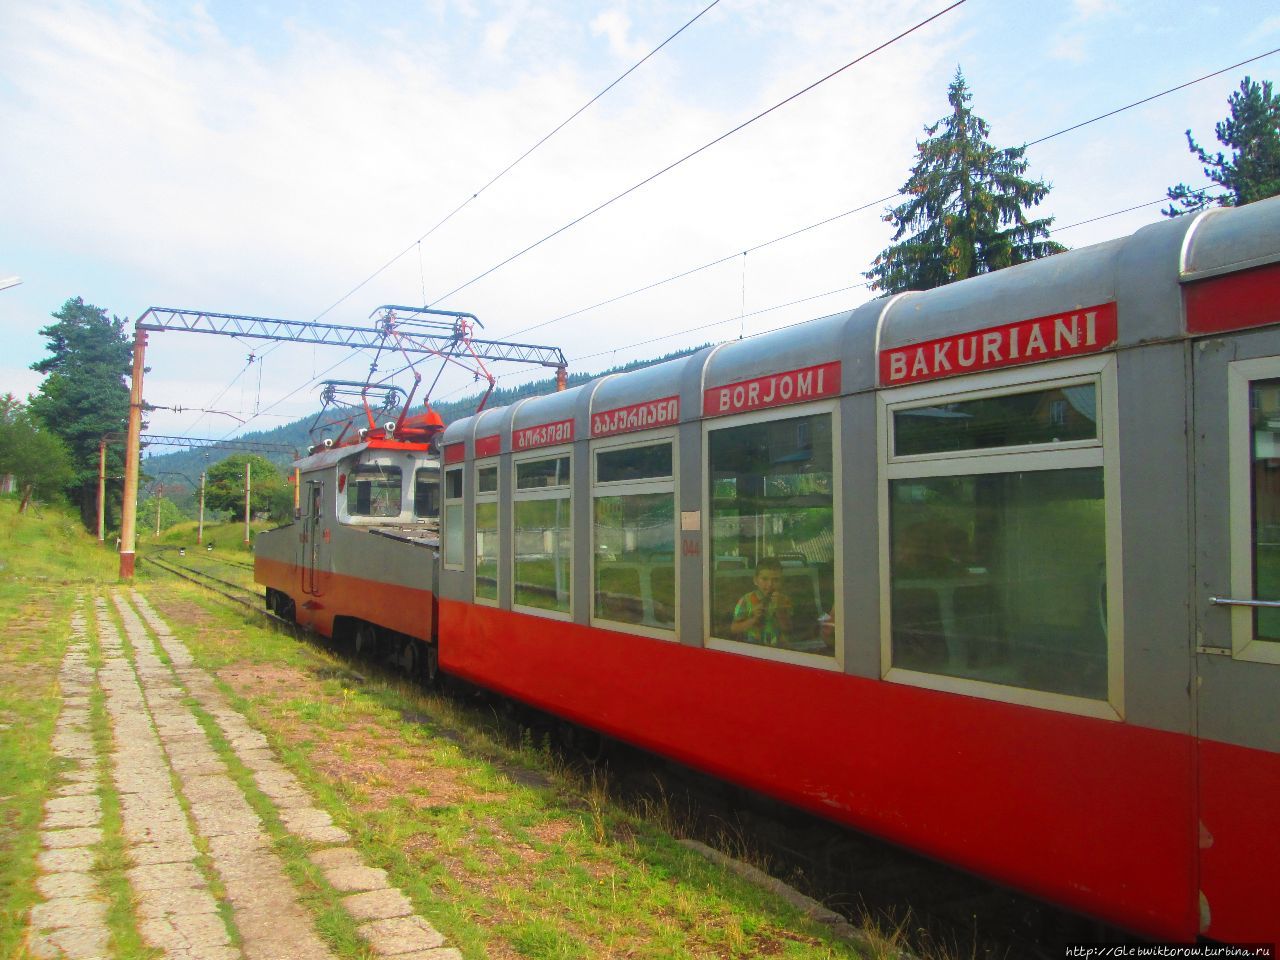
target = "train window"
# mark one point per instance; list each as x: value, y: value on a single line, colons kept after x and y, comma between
x: 426, y: 493
x: 1264, y: 478
x: 1058, y: 415
x: 633, y: 538
x: 1254, y: 435
x: 454, y: 534
x: 772, y: 530
x: 543, y: 543
x: 373, y: 490
x: 487, y: 534
x: 650, y: 461
x: 533, y: 474
x: 996, y: 555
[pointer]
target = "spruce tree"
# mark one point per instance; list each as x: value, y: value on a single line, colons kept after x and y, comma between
x: 83, y: 396
x: 1252, y: 133
x: 964, y: 215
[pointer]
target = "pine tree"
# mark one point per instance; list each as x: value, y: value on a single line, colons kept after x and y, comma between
x: 83, y: 396
x: 1252, y: 133
x: 965, y: 212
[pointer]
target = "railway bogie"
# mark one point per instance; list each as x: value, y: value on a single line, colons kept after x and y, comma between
x: 988, y: 571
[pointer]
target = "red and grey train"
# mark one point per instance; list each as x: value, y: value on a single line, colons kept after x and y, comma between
x: 1017, y: 541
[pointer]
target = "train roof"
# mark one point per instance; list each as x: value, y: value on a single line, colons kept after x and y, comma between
x: 1134, y: 281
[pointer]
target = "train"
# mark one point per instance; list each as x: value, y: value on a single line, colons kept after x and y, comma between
x: 990, y: 571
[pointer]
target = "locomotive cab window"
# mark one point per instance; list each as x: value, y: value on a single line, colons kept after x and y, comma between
x: 373, y: 490
x: 454, y: 534
x: 999, y: 550
x: 633, y: 536
x: 486, y: 545
x: 772, y: 556
x: 543, y: 535
x: 1254, y: 435
x: 426, y: 493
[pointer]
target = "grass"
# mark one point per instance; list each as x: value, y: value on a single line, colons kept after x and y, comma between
x: 504, y: 854
x: 508, y: 853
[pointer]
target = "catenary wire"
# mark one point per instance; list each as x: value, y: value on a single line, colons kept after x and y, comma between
x: 866, y: 206
x: 706, y: 146
x: 512, y: 165
x: 718, y: 323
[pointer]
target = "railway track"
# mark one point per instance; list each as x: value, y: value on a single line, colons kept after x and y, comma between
x: 194, y: 569
x: 861, y: 877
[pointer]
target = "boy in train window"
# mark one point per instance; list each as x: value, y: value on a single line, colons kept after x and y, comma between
x: 763, y: 615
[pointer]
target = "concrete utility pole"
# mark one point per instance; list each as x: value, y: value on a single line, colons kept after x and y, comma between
x: 246, y: 502
x: 200, y: 524
x: 132, y: 454
x: 159, y: 497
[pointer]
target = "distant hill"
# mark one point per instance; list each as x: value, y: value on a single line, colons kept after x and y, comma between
x: 191, y: 463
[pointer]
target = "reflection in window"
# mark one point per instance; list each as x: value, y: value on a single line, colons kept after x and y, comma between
x: 1264, y: 412
x: 1001, y: 577
x: 773, y: 533
x: 487, y: 551
x: 537, y: 474
x: 454, y: 519
x: 543, y: 551
x: 634, y: 536
x: 426, y: 492
x: 634, y: 463
x: 1007, y: 420
x: 373, y: 490
x: 487, y: 480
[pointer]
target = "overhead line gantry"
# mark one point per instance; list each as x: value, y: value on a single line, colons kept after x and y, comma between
x: 411, y: 331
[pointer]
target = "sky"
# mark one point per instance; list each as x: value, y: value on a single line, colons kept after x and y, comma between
x: 267, y: 158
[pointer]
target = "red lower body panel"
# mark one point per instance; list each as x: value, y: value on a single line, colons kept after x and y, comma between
x: 1094, y: 815
x: 1239, y: 843
x: 405, y: 609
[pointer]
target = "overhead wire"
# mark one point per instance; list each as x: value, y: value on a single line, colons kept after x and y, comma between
x: 706, y: 146
x: 790, y: 303
x: 511, y: 166
x: 874, y: 203
x: 787, y: 236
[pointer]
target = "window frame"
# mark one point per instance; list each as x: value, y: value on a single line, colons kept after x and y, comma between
x: 557, y: 492
x: 478, y: 498
x: 1102, y: 451
x: 348, y: 468
x: 1240, y: 375
x: 445, y: 502
x: 770, y: 415
x: 649, y: 485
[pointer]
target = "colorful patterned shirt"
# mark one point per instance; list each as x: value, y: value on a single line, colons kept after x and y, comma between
x: 769, y: 631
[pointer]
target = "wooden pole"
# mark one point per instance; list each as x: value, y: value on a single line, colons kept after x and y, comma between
x: 132, y: 455
x: 102, y: 490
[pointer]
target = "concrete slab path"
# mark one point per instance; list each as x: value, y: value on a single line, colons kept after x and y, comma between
x: 205, y: 879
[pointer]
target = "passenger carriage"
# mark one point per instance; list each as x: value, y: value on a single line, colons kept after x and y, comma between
x: 1028, y: 526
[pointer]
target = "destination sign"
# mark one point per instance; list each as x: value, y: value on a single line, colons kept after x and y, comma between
x: 775, y: 390
x: 638, y: 416
x: 1087, y: 330
x: 544, y: 434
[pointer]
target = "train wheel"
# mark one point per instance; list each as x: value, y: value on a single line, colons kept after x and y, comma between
x: 364, y: 642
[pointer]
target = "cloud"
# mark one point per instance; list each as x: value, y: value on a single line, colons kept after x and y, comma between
x: 616, y: 26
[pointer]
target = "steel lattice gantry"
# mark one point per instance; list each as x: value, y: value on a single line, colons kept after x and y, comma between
x: 407, y: 330
x: 421, y: 341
